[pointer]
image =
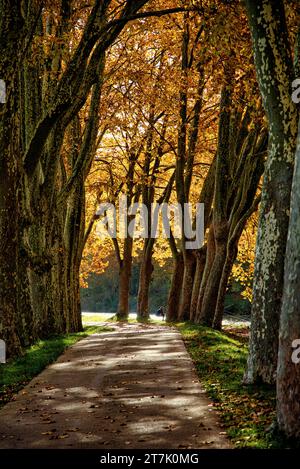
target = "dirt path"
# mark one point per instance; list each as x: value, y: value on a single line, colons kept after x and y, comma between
x: 132, y: 388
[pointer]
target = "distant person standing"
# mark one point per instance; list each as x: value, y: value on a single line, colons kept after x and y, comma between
x: 160, y: 312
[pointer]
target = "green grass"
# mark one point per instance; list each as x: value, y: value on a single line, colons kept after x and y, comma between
x: 246, y: 412
x: 95, y: 318
x: 16, y: 373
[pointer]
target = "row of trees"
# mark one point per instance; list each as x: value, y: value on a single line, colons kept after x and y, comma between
x: 275, y: 309
x: 158, y: 101
x: 177, y: 139
x: 53, y: 61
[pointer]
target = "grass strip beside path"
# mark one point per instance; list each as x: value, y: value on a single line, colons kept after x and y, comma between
x: 246, y: 411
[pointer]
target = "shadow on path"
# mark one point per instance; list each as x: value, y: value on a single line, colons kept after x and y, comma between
x: 132, y: 388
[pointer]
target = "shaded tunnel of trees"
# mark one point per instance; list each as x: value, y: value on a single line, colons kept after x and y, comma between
x: 163, y: 102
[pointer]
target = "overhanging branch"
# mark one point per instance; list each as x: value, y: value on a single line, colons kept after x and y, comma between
x: 147, y: 14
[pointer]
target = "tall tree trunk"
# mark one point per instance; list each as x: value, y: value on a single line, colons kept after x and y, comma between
x: 145, y: 275
x: 175, y: 288
x: 206, y: 197
x: 11, y: 42
x: 212, y: 286
x: 232, y: 251
x: 125, y: 277
x: 39, y: 279
x: 9, y: 242
x: 275, y: 75
x: 73, y: 239
x: 200, y: 265
x: 288, y: 371
x: 24, y: 317
x: 220, y: 224
x: 187, y: 286
x: 209, y: 260
x: 58, y: 285
x: 186, y: 151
